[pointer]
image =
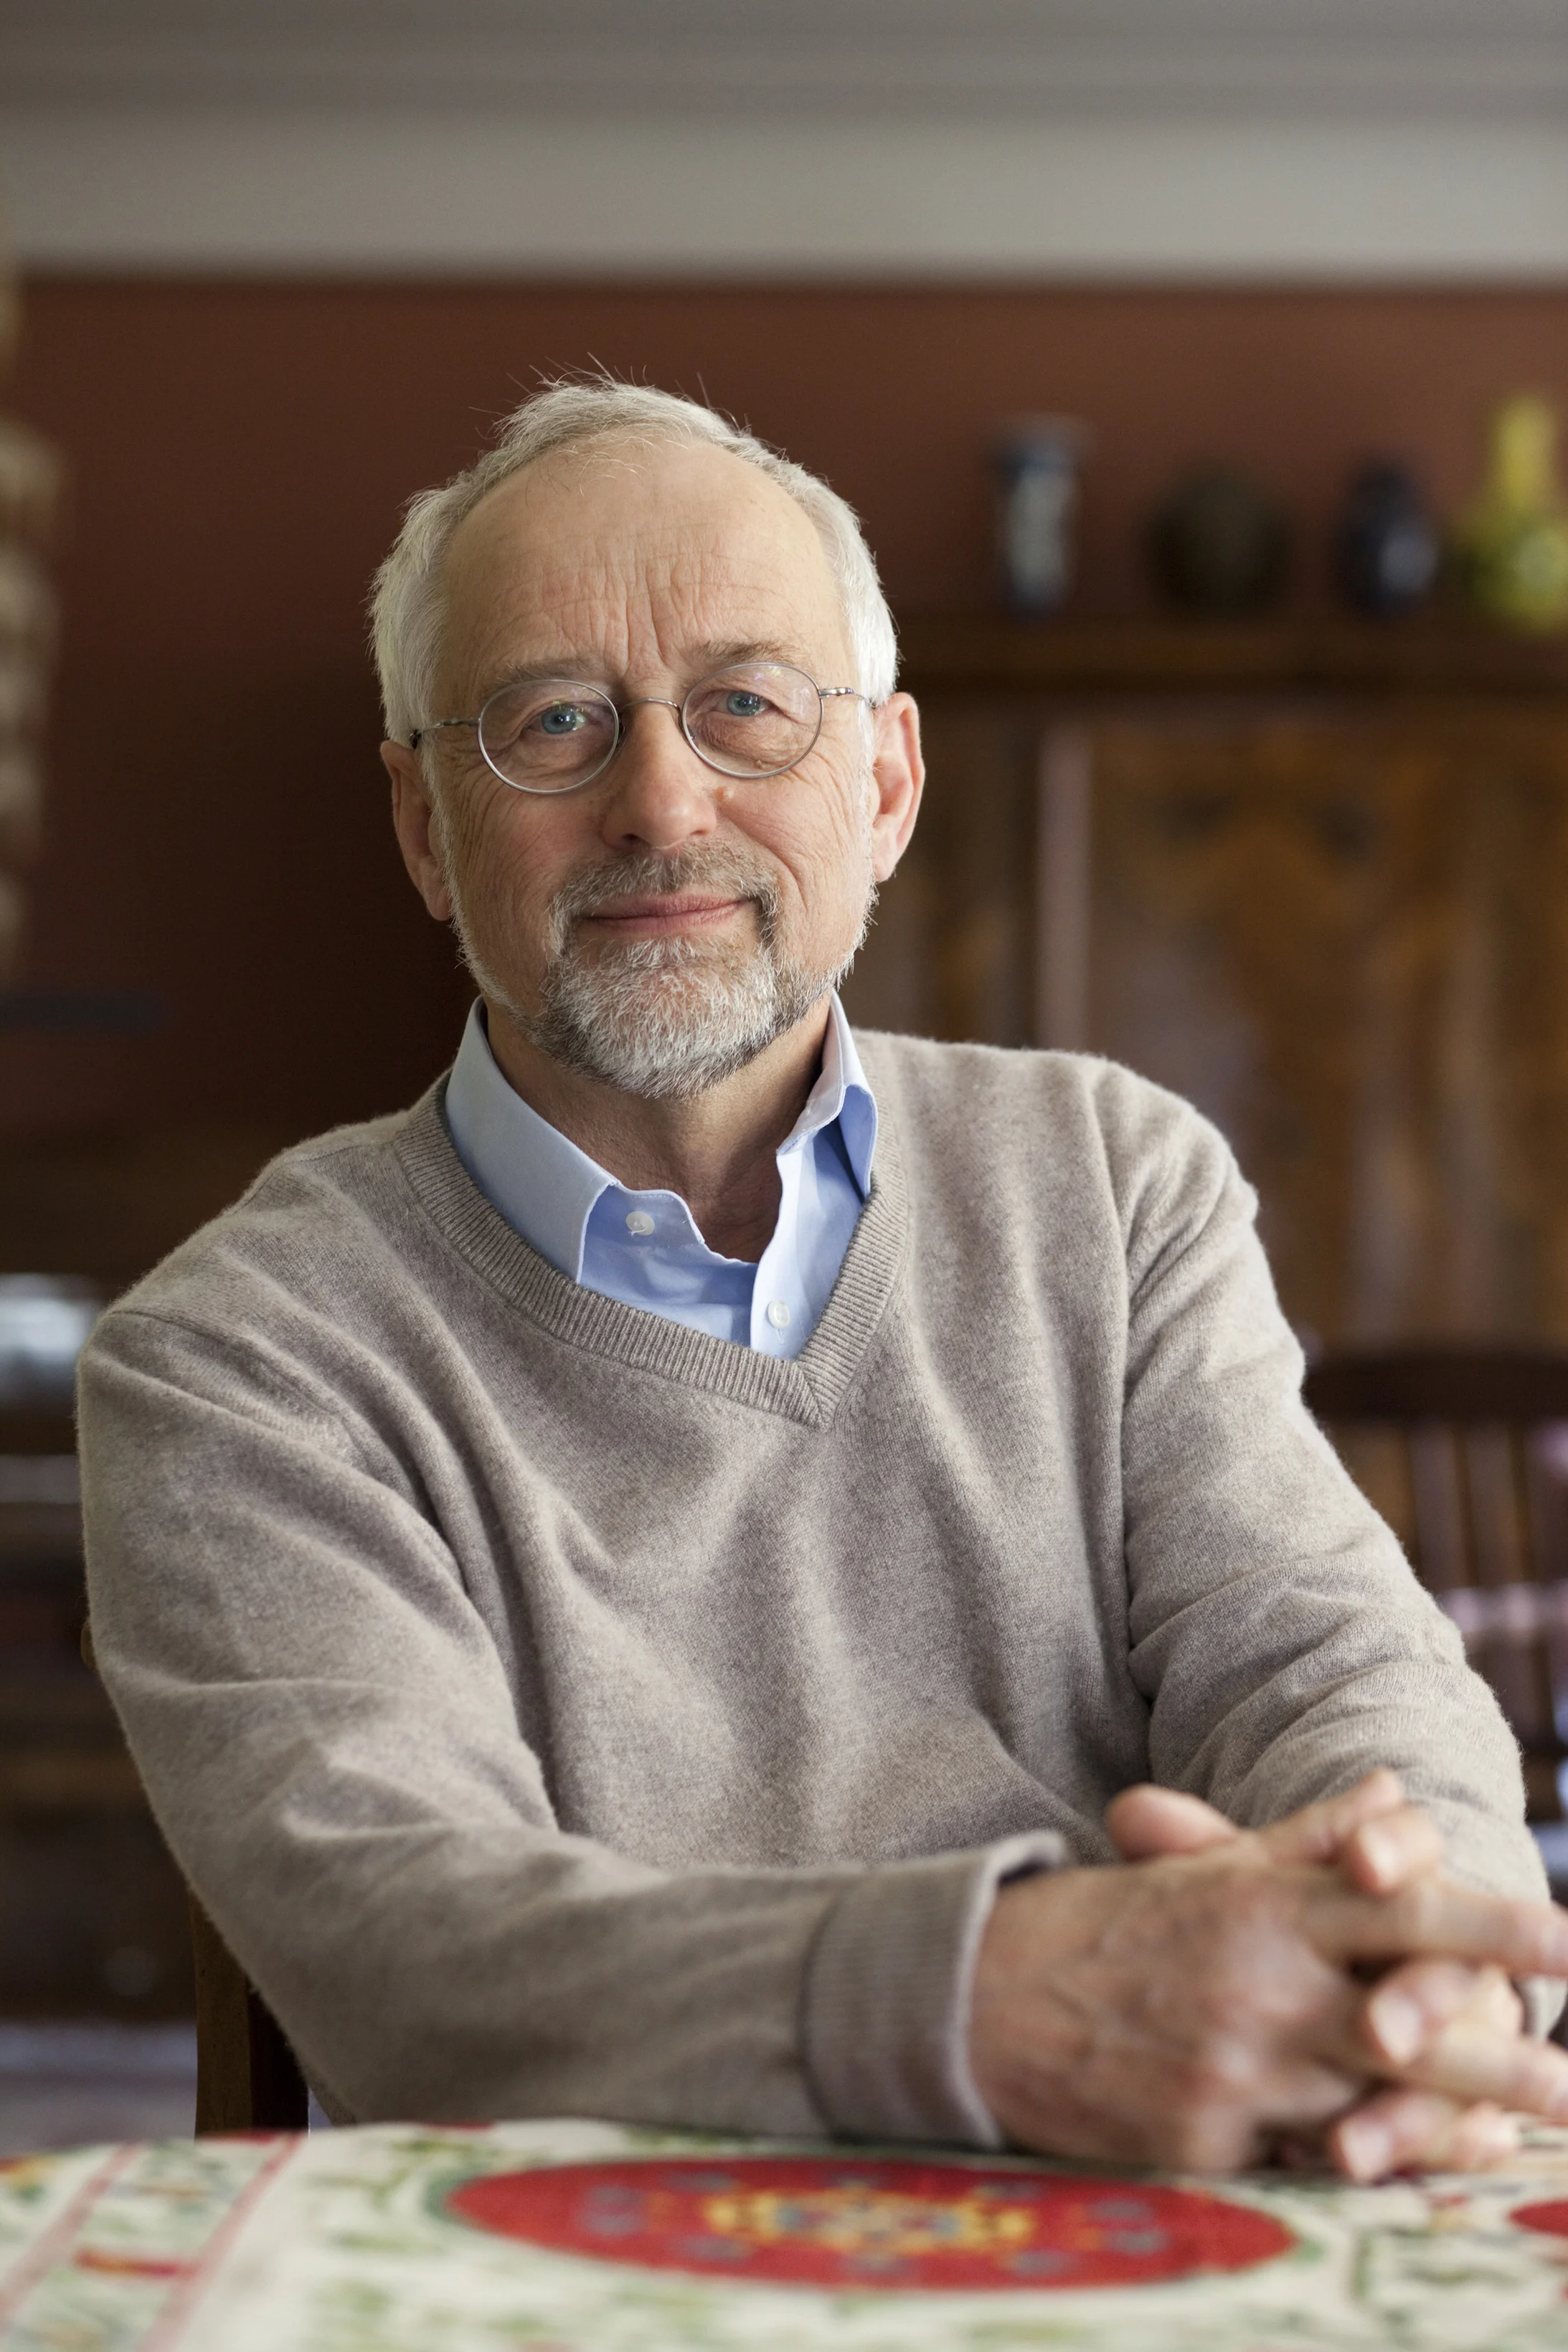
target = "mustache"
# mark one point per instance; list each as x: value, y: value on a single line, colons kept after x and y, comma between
x: 727, y: 871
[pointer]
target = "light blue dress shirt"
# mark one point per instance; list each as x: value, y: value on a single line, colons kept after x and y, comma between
x: 643, y: 1248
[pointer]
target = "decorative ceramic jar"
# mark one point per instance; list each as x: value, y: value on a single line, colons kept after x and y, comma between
x: 1037, y: 461
x: 1386, y: 550
x: 1513, y: 546
x: 1218, y: 545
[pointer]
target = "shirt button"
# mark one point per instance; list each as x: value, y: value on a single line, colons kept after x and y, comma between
x: 639, y: 1222
x: 778, y: 1314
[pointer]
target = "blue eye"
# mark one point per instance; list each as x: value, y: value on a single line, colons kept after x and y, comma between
x: 739, y: 704
x: 562, y: 719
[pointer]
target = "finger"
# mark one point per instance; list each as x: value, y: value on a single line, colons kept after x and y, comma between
x: 1483, y: 2135
x: 1502, y: 2007
x: 1380, y: 1855
x: 1319, y: 1831
x: 1408, y: 2008
x: 1145, y: 1823
x: 1467, y: 2065
x: 1491, y: 2005
x: 1436, y: 1915
x: 1395, y: 2130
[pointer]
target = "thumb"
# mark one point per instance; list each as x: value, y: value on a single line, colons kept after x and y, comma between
x: 1145, y: 1823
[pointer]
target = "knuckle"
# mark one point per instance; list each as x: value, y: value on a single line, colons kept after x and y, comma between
x: 1212, y: 2096
x: 1233, y: 2069
x: 1212, y: 2139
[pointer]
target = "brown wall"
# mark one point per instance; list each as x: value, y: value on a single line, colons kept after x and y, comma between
x: 216, y: 828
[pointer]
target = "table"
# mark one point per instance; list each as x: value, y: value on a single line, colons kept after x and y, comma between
x: 588, y: 2237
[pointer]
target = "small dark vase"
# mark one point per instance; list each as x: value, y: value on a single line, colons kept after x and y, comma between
x: 1387, y: 548
x: 1218, y: 545
x: 1036, y: 461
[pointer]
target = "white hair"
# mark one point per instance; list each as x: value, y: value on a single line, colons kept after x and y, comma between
x: 406, y: 606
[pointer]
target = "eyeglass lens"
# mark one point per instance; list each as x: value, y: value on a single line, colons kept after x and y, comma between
x: 550, y: 734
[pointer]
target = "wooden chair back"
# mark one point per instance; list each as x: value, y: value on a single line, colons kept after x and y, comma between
x: 247, y: 2077
x: 1465, y: 1451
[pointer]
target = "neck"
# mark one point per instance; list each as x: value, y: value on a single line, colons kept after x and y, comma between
x: 719, y: 1151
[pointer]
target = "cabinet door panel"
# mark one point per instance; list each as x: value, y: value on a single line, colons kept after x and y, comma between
x: 951, y: 952
x: 1344, y: 932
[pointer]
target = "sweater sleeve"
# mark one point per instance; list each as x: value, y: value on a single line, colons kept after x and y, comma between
x: 333, y: 1753
x: 1279, y: 1636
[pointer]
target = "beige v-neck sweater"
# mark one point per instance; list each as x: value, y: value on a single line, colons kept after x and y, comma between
x: 560, y: 1710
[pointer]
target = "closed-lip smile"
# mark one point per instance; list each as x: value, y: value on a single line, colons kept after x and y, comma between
x: 671, y: 910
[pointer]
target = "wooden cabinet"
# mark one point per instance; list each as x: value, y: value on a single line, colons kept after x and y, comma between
x: 1315, y: 880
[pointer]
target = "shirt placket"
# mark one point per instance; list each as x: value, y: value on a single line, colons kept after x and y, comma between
x: 779, y: 1305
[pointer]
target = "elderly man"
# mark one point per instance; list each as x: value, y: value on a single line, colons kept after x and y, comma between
x: 634, y: 1583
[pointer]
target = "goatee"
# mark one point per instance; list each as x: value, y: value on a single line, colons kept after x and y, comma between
x: 668, y: 1019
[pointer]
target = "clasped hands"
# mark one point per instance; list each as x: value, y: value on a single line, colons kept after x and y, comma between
x: 1319, y: 1987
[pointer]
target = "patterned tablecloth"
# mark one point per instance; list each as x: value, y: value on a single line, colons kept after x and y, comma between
x: 581, y: 2237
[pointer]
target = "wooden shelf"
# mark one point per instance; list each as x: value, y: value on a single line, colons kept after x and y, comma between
x: 968, y: 654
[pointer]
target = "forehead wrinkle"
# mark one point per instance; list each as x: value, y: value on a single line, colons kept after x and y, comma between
x: 730, y: 559
x: 586, y: 669
x: 684, y: 625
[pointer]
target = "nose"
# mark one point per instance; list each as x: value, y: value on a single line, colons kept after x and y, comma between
x: 658, y: 796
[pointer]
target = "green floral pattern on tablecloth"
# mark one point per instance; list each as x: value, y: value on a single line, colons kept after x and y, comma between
x: 100, y: 2251
x: 346, y: 2243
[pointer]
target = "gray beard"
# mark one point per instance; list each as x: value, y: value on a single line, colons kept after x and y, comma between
x: 668, y: 1019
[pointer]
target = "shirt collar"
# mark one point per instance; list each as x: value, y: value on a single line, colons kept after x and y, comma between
x: 841, y: 1093
x: 543, y: 1186
x: 546, y: 1187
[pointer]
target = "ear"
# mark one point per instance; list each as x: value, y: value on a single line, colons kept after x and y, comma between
x: 417, y: 824
x: 898, y: 775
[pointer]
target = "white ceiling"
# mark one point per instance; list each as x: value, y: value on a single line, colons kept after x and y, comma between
x: 1015, y: 56
x: 1348, y: 138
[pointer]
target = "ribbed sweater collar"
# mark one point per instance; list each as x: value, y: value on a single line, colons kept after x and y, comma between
x: 808, y: 1389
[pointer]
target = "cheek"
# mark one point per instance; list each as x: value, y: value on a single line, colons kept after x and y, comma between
x: 841, y: 877
x: 822, y: 841
x: 502, y: 872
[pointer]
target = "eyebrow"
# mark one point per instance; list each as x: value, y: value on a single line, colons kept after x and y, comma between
x: 716, y: 655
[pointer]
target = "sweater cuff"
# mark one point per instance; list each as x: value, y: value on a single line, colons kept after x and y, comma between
x: 886, y: 2025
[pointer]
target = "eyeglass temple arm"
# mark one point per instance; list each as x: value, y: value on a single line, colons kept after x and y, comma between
x: 435, y: 726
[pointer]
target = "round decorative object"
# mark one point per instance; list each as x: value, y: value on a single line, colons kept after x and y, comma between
x: 1218, y: 545
x: 864, y: 2224
x: 1386, y: 550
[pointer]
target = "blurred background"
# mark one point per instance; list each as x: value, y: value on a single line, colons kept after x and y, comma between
x: 1194, y: 366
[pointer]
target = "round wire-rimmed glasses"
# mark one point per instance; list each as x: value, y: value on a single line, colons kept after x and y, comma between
x: 555, y: 734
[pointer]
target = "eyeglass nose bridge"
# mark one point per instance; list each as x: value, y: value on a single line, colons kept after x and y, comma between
x: 638, y: 702
x: 667, y: 702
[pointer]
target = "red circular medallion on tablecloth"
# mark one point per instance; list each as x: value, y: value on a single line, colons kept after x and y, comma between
x: 862, y: 2223
x: 1550, y: 2218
